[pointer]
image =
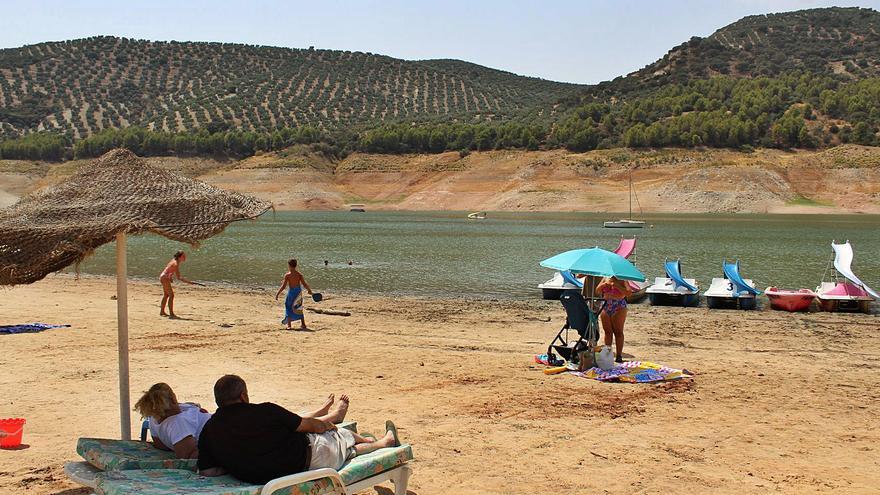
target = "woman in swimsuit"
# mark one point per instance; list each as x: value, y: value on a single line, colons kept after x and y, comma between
x: 171, y: 270
x: 613, y: 315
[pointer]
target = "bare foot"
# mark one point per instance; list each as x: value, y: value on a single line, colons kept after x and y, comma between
x: 325, y: 407
x: 172, y: 316
x: 303, y: 328
x: 389, y: 440
x: 339, y: 410
x: 162, y: 313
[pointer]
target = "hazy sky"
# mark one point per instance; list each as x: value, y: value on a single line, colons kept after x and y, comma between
x: 565, y: 40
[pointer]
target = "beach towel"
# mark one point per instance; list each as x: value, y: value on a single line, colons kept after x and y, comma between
x: 635, y: 372
x: 293, y: 305
x: 28, y: 328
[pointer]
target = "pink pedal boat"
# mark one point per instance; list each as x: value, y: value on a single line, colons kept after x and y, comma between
x: 790, y: 299
x: 849, y: 294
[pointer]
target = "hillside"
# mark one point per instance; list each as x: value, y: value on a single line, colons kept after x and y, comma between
x: 83, y: 86
x: 827, y: 41
x: 808, y: 79
x: 841, y: 179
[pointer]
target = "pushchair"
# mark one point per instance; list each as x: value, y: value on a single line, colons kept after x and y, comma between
x: 581, y: 319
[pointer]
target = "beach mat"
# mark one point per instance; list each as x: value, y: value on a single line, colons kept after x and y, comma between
x: 635, y: 372
x: 28, y: 328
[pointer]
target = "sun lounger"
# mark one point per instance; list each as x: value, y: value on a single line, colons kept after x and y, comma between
x: 103, y: 454
x: 360, y: 473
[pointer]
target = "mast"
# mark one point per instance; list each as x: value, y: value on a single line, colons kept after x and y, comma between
x: 630, y: 195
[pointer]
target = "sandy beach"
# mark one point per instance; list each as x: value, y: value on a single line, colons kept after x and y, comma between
x: 780, y: 403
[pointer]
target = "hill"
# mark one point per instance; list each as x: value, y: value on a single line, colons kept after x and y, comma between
x: 83, y: 86
x: 798, y: 79
x: 804, y: 79
x: 826, y: 41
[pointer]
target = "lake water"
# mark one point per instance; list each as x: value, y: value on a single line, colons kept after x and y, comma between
x: 445, y: 254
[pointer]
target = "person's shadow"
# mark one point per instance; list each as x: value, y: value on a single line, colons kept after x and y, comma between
x: 19, y: 447
x: 381, y: 490
x: 75, y: 491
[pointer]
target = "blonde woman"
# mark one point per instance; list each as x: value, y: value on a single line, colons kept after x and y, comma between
x: 173, y: 425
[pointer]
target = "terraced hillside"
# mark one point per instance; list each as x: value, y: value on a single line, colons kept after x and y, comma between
x: 83, y: 86
x: 843, y: 41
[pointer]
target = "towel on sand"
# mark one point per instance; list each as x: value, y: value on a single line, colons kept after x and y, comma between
x: 28, y: 327
x: 635, y: 372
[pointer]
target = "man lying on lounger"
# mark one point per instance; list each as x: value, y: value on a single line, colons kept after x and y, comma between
x: 257, y: 443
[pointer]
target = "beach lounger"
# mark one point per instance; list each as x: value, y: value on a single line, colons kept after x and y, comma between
x: 104, y: 454
x: 362, y: 472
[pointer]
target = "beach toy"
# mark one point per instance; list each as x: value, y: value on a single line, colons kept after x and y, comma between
x: 11, y: 429
x: 317, y: 297
x: 553, y: 371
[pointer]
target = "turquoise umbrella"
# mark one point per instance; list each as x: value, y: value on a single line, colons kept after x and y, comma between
x: 594, y: 261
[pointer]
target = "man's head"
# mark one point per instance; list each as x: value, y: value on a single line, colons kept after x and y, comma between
x: 230, y: 389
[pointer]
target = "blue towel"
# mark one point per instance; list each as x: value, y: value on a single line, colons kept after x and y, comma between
x: 293, y: 305
x: 28, y: 328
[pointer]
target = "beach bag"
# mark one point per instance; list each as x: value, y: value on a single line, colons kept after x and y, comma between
x: 605, y: 358
x: 586, y: 359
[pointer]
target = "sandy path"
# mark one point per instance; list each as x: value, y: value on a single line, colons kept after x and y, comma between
x: 781, y: 403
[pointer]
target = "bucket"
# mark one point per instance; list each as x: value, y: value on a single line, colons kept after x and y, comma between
x: 10, y: 432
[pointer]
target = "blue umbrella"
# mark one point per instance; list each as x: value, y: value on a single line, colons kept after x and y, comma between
x: 594, y: 261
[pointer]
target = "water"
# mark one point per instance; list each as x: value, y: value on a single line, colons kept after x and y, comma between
x: 444, y: 254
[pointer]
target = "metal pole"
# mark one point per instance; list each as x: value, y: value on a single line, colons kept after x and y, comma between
x: 122, y: 320
x: 630, y: 194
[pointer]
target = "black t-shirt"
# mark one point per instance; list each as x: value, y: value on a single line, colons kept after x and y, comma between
x: 255, y: 443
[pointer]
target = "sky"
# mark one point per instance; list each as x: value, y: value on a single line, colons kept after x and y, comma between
x: 563, y: 40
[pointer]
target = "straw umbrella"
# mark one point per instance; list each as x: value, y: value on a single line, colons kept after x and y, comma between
x: 115, y: 195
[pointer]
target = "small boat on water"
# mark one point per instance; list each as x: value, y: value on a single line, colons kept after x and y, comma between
x: 790, y: 299
x: 626, y: 223
x: 674, y: 290
x: 552, y: 289
x: 732, y: 291
x: 477, y: 215
x: 851, y: 294
x: 360, y: 208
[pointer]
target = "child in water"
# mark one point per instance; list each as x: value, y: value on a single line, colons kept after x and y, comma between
x: 293, y: 304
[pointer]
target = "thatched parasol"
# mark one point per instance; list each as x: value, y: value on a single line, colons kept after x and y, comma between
x: 115, y: 195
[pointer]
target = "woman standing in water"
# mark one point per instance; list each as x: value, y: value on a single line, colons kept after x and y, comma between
x: 293, y: 304
x: 171, y: 270
x: 614, y: 291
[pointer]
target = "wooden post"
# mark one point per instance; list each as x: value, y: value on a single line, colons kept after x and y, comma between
x: 122, y: 321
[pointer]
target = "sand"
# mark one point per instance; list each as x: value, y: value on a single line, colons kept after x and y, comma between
x: 780, y: 403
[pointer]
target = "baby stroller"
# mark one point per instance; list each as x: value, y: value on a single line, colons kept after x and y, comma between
x: 579, y: 318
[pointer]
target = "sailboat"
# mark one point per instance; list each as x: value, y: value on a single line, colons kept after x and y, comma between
x: 626, y: 223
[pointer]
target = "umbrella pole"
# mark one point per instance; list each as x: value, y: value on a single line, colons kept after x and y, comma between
x: 122, y: 320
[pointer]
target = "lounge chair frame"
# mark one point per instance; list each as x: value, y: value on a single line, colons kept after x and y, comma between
x: 84, y: 474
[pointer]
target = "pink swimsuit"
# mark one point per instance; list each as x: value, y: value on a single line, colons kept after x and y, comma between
x: 615, y: 300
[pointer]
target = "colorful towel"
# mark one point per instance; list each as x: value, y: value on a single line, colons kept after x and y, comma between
x: 635, y: 372
x: 28, y: 328
x: 293, y: 305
